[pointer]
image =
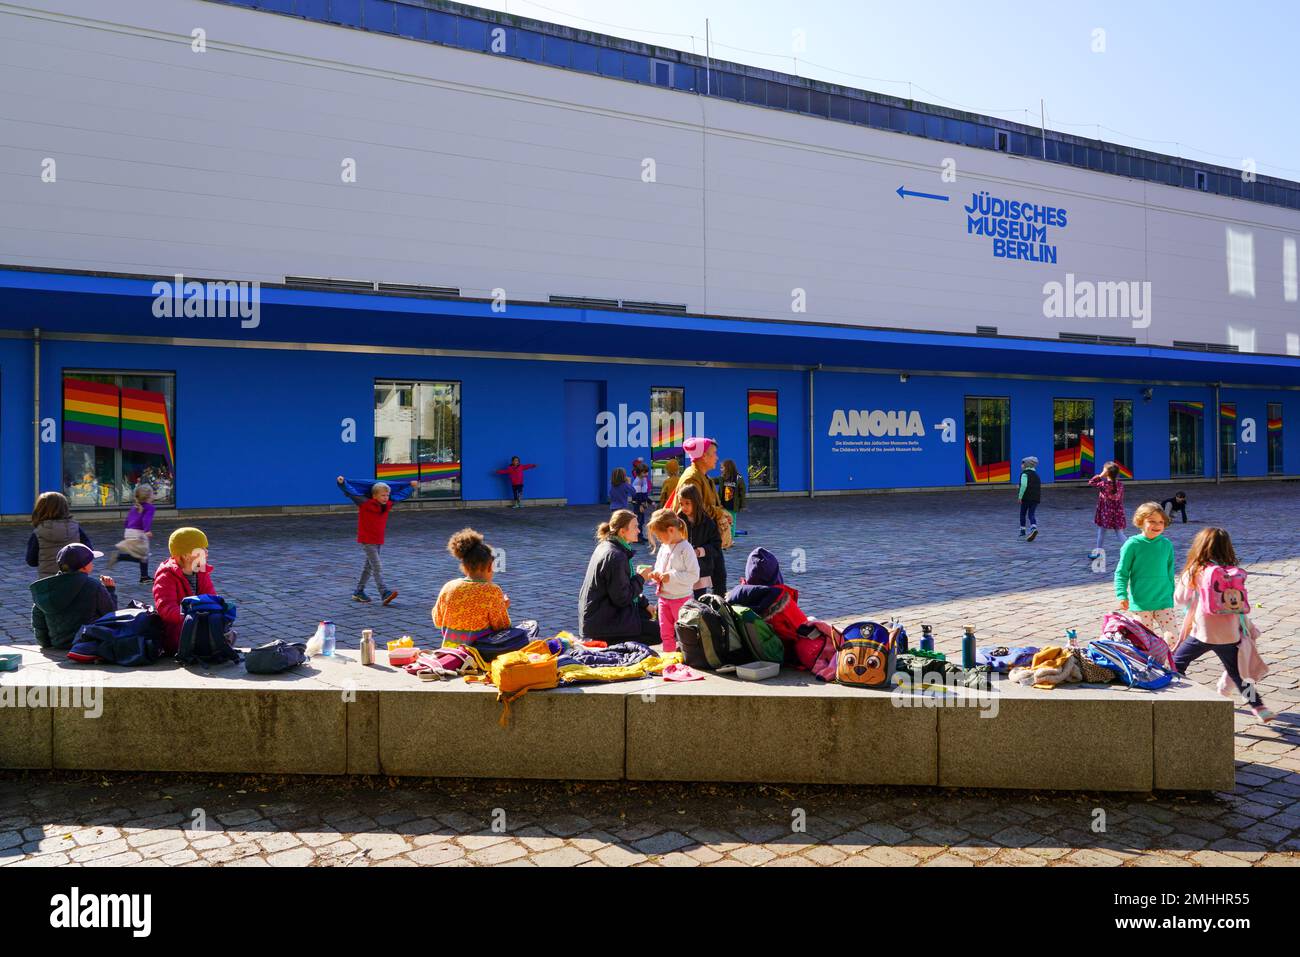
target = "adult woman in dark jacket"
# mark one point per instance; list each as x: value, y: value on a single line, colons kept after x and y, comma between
x: 703, y: 534
x: 611, y: 606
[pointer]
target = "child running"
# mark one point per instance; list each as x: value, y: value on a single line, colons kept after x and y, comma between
x: 1230, y: 635
x: 676, y: 571
x: 1031, y: 493
x: 471, y: 607
x: 134, y: 546
x: 516, y: 473
x: 374, y: 505
x: 1109, y: 515
x: 1144, y: 577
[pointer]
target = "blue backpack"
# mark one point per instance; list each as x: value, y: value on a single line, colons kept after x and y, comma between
x: 128, y: 637
x: 507, y: 639
x: 207, y: 631
x: 1135, y: 668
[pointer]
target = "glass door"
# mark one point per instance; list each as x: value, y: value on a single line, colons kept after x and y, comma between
x: 1073, y: 437
x: 1186, y: 439
x: 1228, y: 438
x: 988, y: 440
x: 1123, y: 446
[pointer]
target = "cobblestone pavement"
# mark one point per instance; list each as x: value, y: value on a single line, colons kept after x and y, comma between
x: 947, y: 559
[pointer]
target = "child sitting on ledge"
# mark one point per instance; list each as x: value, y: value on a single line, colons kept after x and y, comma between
x: 471, y: 607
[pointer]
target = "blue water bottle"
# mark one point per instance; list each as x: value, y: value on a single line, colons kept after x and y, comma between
x: 927, y: 638
x: 900, y: 641
x: 327, y: 627
x: 968, y: 648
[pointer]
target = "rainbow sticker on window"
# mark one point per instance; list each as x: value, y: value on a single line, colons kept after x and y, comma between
x: 982, y: 474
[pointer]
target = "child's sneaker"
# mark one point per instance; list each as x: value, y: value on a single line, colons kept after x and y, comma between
x: 361, y: 597
x: 144, y: 580
x: 1033, y: 533
x: 1264, y: 714
x: 1022, y: 533
x: 389, y: 596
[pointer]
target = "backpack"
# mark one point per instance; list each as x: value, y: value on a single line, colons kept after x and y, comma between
x: 275, y: 657
x: 515, y: 673
x: 207, y: 631
x: 1133, y: 667
x: 816, y: 647
x: 707, y: 633
x: 1119, y: 626
x: 507, y: 639
x: 757, y: 635
x: 1222, y: 591
x: 128, y: 637
x: 868, y: 656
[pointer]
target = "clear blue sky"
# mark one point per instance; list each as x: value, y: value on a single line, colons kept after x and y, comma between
x: 1210, y: 81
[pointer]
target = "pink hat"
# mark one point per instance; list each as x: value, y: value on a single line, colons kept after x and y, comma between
x: 696, y: 447
x: 680, y: 672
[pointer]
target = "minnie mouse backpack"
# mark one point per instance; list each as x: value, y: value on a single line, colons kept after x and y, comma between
x: 1223, y: 590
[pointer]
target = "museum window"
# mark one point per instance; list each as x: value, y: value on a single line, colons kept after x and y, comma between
x: 1186, y: 439
x: 988, y: 439
x: 761, y: 417
x: 1073, y: 446
x: 417, y: 436
x: 119, y: 431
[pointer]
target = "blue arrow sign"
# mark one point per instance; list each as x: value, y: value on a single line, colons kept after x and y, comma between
x: 904, y: 193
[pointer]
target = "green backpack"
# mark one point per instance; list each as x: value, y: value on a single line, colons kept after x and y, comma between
x: 757, y: 635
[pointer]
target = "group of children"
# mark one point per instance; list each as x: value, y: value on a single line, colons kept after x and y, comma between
x: 688, y: 563
x: 65, y: 597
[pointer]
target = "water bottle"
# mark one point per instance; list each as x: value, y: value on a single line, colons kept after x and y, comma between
x: 367, y: 646
x: 927, y: 638
x: 327, y: 633
x: 1072, y: 637
x: 968, y: 648
x: 901, y: 639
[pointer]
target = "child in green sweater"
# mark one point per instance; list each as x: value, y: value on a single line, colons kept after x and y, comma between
x: 1144, y: 577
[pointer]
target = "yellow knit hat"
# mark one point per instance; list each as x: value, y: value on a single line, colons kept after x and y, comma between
x: 185, y: 540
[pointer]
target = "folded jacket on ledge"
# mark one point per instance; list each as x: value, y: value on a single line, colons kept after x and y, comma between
x: 626, y: 661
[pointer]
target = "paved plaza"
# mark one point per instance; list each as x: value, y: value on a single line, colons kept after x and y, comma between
x: 945, y: 559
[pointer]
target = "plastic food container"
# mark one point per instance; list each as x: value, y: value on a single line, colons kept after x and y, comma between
x: 402, y: 656
x: 10, y: 662
x: 758, y: 670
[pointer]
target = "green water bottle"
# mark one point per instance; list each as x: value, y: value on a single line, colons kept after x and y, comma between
x: 968, y: 648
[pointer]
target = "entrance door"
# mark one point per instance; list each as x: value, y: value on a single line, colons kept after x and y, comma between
x: 584, y: 462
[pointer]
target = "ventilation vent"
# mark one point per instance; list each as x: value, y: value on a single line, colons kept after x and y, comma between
x: 413, y: 289
x: 338, y: 285
x: 1205, y: 346
x: 1098, y: 340
x: 584, y: 302
x: 986, y: 330
x: 654, y: 306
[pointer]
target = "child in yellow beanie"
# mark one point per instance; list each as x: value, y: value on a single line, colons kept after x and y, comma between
x: 185, y: 573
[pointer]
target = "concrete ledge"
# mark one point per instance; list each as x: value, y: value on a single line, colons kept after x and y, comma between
x: 790, y: 729
x: 335, y: 717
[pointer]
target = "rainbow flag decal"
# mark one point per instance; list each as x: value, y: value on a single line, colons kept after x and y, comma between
x: 762, y: 414
x: 1124, y: 471
x: 432, y: 471
x: 1275, y: 425
x: 1079, y: 461
x: 91, y: 413
x: 1227, y: 411
x: 1190, y: 408
x: 982, y: 474
x: 145, y: 425
x: 397, y: 472
x: 666, y: 438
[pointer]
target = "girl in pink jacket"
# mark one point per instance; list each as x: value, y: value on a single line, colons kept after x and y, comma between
x: 1231, y: 637
x: 516, y: 473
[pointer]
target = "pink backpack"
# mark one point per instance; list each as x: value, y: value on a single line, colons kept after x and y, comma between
x: 1222, y: 590
x: 1119, y: 626
x: 817, y: 647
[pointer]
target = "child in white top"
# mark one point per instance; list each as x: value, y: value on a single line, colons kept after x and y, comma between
x: 675, y: 573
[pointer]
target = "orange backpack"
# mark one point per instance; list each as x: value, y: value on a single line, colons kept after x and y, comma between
x: 518, y: 672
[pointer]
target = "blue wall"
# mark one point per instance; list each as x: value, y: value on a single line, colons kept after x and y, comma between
x: 261, y: 427
x: 264, y: 427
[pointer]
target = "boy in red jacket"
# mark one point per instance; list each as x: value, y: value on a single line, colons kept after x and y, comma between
x: 372, y: 520
x: 185, y: 573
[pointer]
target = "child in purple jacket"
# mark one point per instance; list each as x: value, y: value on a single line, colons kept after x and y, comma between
x: 134, y: 546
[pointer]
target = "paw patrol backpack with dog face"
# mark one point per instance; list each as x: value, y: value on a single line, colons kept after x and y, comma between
x: 867, y: 656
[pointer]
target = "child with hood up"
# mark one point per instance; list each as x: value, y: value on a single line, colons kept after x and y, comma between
x: 763, y: 590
